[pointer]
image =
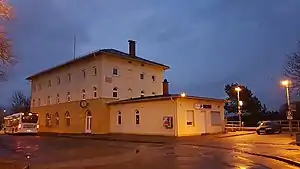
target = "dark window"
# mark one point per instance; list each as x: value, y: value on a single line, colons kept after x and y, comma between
x: 153, y: 78
x: 95, y: 70
x: 119, y: 118
x: 115, y: 71
x: 115, y: 92
x: 83, y: 73
x: 48, y: 120
x: 95, y: 92
x: 142, y: 76
x: 69, y: 77
x: 137, y: 117
x: 58, y: 80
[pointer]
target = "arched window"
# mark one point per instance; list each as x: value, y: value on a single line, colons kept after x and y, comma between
x: 137, y: 117
x: 130, y: 93
x: 48, y: 120
x: 95, y: 92
x: 57, y: 119
x: 39, y: 102
x: 68, y: 119
x: 119, y: 118
x: 88, y: 113
x: 68, y: 96
x: 83, y: 94
x: 115, y: 92
x: 83, y: 73
x: 142, y: 93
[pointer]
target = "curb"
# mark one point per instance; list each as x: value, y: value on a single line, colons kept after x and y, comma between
x: 278, y: 158
x: 235, y: 135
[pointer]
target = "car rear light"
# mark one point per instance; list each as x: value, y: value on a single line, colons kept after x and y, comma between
x: 20, y: 126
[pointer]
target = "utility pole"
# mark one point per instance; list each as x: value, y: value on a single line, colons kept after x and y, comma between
x: 286, y: 84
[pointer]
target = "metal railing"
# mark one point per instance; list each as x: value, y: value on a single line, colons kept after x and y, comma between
x: 235, y: 125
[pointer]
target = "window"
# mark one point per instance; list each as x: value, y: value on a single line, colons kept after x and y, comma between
x: 137, y: 117
x: 115, y: 92
x: 49, y: 100
x: 83, y: 73
x: 153, y: 78
x: 69, y: 77
x: 68, y: 96
x: 142, y: 93
x: 83, y: 94
x: 39, y: 102
x: 49, y: 83
x: 57, y: 98
x: 142, y: 76
x: 68, y: 119
x: 190, y: 117
x: 48, y: 120
x: 95, y: 70
x: 56, y: 119
x: 33, y: 102
x: 119, y: 118
x: 95, y: 91
x: 58, y: 80
x: 115, y: 71
x: 216, y: 118
x: 40, y: 86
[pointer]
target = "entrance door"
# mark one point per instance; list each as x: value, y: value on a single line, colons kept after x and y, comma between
x: 201, y: 119
x: 88, y: 122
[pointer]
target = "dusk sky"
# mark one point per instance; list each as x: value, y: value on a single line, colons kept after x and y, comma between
x: 207, y: 43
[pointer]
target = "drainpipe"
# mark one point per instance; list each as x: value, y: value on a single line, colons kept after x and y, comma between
x: 175, y: 117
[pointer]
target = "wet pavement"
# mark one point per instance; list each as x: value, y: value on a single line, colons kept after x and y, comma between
x: 67, y: 153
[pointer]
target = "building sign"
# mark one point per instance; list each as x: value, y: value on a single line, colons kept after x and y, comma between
x: 199, y: 106
x: 168, y: 122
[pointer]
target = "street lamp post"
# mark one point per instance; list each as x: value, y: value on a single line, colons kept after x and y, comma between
x: 239, y: 103
x: 286, y: 84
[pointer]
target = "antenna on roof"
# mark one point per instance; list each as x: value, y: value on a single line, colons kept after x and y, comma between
x: 74, y: 50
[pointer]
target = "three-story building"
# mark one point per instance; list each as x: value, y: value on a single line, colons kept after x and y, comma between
x: 72, y: 97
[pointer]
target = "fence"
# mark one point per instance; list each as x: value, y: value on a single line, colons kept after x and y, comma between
x: 235, y: 125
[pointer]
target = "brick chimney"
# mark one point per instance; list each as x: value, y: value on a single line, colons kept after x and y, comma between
x: 165, y: 87
x: 132, y: 48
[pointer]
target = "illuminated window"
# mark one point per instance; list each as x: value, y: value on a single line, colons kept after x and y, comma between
x: 57, y: 119
x: 68, y: 96
x: 48, y: 120
x: 68, y: 119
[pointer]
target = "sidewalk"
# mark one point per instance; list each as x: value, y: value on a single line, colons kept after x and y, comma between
x: 148, y: 138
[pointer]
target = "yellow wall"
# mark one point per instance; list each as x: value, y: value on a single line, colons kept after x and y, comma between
x: 98, y: 108
x: 151, y: 117
x: 184, y: 104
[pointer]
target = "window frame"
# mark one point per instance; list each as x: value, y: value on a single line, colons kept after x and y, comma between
x: 219, y: 122
x: 119, y: 118
x: 137, y: 117
x: 68, y: 96
x: 115, y: 71
x: 188, y: 122
x: 142, y: 76
x: 68, y: 119
x: 115, y: 91
x: 95, y: 92
x: 95, y: 70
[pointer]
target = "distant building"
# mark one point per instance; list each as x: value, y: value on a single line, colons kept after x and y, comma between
x: 109, y: 91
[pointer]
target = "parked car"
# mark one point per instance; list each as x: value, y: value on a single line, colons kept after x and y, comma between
x: 268, y: 127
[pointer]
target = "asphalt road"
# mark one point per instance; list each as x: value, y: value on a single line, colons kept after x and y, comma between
x: 53, y: 152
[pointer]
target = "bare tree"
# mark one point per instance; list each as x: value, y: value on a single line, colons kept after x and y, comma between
x: 20, y: 102
x: 6, y: 57
x: 292, y: 70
